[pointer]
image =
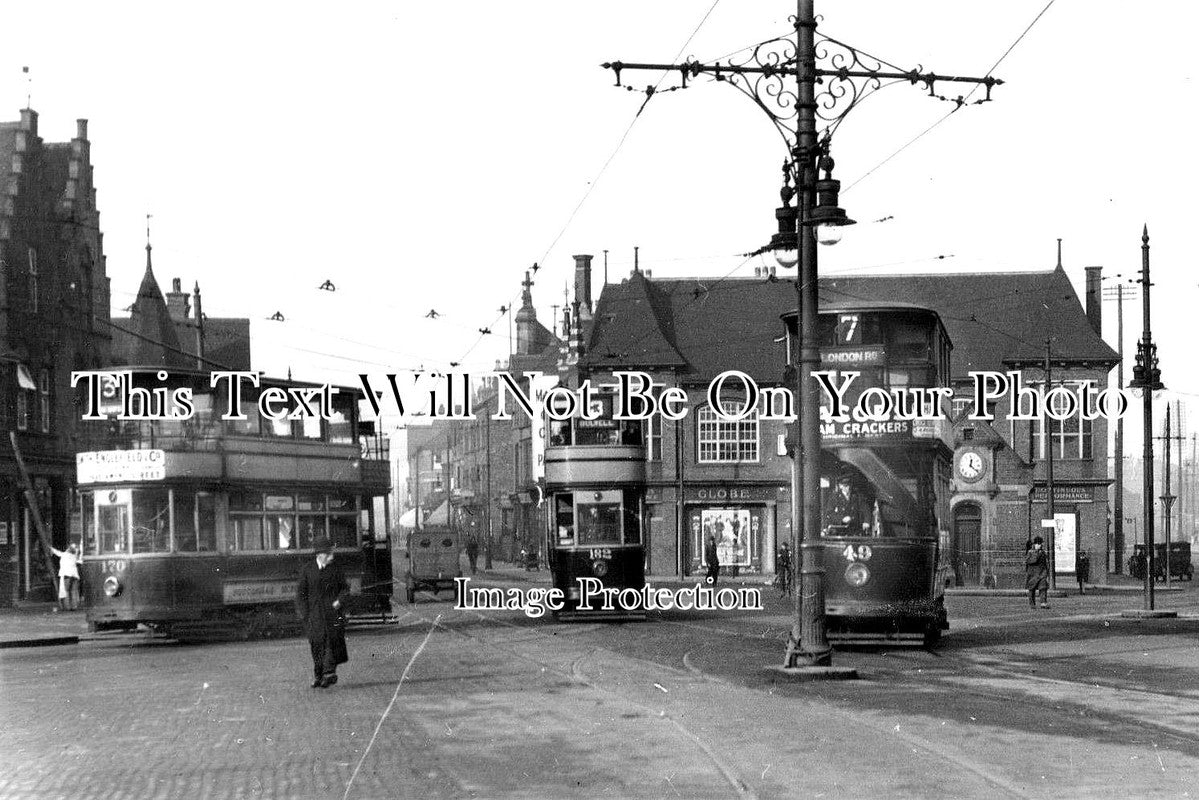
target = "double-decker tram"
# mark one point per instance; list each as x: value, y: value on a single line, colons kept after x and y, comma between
x: 595, y: 487
x: 199, y: 527
x: 884, y: 480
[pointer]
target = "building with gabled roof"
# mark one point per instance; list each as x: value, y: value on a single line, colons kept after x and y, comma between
x: 54, y: 318
x: 686, y: 331
x: 162, y: 330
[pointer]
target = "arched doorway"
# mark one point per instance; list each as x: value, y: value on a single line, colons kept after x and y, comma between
x: 967, y: 543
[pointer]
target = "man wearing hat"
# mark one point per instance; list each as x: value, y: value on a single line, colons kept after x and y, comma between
x: 320, y: 595
x: 843, y: 511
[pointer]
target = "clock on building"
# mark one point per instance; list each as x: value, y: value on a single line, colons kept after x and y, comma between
x: 971, y: 466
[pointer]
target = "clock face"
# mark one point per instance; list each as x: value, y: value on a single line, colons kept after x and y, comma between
x: 970, y: 466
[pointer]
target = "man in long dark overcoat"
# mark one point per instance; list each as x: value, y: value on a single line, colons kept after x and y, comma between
x: 320, y: 595
x: 1036, y: 573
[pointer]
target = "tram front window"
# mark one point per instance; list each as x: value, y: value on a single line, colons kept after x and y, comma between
x: 113, y: 521
x: 151, y: 521
x: 598, y: 516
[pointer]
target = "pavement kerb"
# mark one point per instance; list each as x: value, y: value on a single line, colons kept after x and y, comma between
x: 38, y: 641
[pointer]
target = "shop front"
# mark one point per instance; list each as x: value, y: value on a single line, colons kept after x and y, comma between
x: 741, y: 519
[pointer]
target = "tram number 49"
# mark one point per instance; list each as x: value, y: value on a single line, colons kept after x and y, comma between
x: 860, y: 553
x: 599, y: 553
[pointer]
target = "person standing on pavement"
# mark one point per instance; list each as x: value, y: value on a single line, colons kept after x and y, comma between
x: 320, y: 593
x: 472, y: 554
x: 782, y: 568
x: 712, y: 559
x: 1036, y: 573
x: 68, y: 577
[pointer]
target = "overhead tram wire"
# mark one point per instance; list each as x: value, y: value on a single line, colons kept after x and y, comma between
x: 956, y: 108
x: 650, y: 93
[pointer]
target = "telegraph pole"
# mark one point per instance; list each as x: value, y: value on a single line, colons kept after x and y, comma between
x: 1118, y: 499
x: 1168, y: 498
x: 487, y: 428
x: 846, y: 76
x: 1051, y: 505
x: 1147, y: 377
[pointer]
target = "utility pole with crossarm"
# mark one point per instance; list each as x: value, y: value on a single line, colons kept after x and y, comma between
x: 845, y: 76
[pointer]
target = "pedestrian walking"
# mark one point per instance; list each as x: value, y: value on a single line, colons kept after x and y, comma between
x: 320, y: 593
x: 472, y: 554
x: 68, y: 577
x: 1036, y: 573
x: 712, y: 559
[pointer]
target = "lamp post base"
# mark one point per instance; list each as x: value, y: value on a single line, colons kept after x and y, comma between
x: 806, y: 673
x: 1141, y: 613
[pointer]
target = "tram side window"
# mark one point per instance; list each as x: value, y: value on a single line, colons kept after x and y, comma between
x: 564, y: 518
x: 151, y: 521
x: 560, y: 433
x: 281, y: 532
x: 247, y: 532
x: 205, y: 522
x: 185, y: 522
x: 247, y: 426
x: 311, y: 520
x: 598, y: 517
x: 245, y: 518
x: 87, y: 502
x: 632, y: 520
x: 340, y: 431
x: 343, y: 521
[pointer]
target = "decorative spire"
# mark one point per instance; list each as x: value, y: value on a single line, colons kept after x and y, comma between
x: 526, y: 294
x: 1059, y: 253
x: 148, y: 247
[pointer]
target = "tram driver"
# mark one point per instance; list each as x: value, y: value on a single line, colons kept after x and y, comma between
x: 843, y: 514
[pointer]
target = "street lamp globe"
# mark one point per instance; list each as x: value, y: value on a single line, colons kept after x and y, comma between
x: 786, y: 257
x: 828, y: 234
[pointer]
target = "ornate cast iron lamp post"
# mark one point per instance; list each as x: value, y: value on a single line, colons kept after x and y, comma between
x: 846, y: 76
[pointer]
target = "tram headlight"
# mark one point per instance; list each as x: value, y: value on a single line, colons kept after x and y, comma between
x: 112, y: 587
x: 599, y: 568
x: 856, y: 574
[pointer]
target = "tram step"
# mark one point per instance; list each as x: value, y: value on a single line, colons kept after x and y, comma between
x: 362, y: 620
x: 912, y: 639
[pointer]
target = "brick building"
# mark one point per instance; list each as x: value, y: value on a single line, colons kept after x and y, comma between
x: 54, y: 318
x: 685, y: 332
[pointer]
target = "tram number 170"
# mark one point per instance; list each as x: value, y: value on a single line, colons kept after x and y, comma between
x: 860, y: 553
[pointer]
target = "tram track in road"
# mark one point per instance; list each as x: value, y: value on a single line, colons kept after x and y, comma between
x: 1189, y: 739
x: 971, y: 766
x: 576, y: 673
x: 950, y: 755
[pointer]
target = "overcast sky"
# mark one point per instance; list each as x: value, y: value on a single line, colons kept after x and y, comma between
x: 423, y: 155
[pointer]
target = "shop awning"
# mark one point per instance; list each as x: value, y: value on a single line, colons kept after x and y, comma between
x: 439, y: 516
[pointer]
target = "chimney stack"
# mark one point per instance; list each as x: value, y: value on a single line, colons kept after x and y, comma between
x: 178, y: 301
x: 583, y: 287
x: 1095, y: 298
